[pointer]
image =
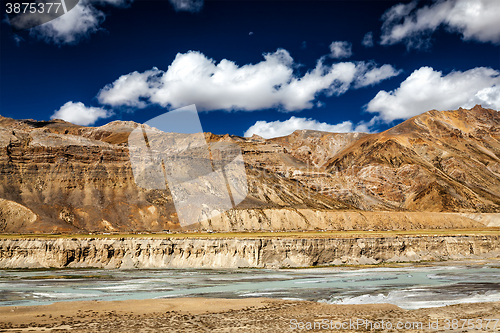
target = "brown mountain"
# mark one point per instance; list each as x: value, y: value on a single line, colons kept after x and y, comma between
x: 438, y: 161
x: 56, y: 176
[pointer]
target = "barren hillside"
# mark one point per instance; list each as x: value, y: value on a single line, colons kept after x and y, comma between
x: 60, y: 177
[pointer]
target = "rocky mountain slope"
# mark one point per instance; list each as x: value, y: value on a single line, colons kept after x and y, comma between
x: 60, y: 177
x: 438, y: 161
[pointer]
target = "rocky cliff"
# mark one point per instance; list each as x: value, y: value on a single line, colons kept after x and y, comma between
x: 239, y: 252
x: 59, y: 177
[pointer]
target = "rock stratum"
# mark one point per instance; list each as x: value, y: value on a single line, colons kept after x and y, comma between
x: 240, y: 252
x: 440, y: 169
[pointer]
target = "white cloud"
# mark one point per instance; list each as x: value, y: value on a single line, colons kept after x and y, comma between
x: 192, y: 6
x: 78, y: 24
x: 71, y: 27
x: 488, y: 97
x: 366, y: 126
x: 340, y: 50
x: 426, y: 89
x: 79, y: 114
x: 375, y: 75
x: 278, y: 128
x: 193, y: 78
x: 474, y: 19
x: 368, y: 40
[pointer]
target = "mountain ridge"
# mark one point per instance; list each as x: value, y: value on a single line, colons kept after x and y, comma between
x: 57, y: 176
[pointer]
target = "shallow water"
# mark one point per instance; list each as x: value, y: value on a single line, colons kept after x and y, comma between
x: 407, y: 287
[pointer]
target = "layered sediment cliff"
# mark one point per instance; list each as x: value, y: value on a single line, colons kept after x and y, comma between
x: 240, y: 252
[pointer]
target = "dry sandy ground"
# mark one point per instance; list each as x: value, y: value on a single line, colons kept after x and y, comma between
x: 240, y: 315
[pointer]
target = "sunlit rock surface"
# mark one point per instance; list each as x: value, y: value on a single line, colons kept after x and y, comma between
x: 60, y: 177
x: 240, y: 252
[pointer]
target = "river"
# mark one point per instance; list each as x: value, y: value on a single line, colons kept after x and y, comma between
x: 409, y: 287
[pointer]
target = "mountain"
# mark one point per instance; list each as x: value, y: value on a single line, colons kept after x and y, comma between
x: 438, y: 161
x: 60, y: 177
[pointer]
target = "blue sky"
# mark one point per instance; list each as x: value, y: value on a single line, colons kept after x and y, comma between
x: 255, y: 67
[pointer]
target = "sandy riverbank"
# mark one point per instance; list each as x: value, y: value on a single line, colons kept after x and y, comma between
x: 226, y: 315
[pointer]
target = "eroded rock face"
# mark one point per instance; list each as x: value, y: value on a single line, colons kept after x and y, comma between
x: 74, y: 183
x: 438, y: 161
x: 79, y: 179
x: 233, y: 253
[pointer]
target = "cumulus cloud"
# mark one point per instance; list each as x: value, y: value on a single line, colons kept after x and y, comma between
x: 192, y: 6
x: 79, y: 114
x: 192, y: 78
x: 488, y: 97
x: 373, y: 75
x: 83, y: 20
x: 340, y: 50
x: 473, y: 19
x: 77, y: 24
x: 368, y: 40
x: 278, y: 128
x: 426, y: 89
x: 367, y: 126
